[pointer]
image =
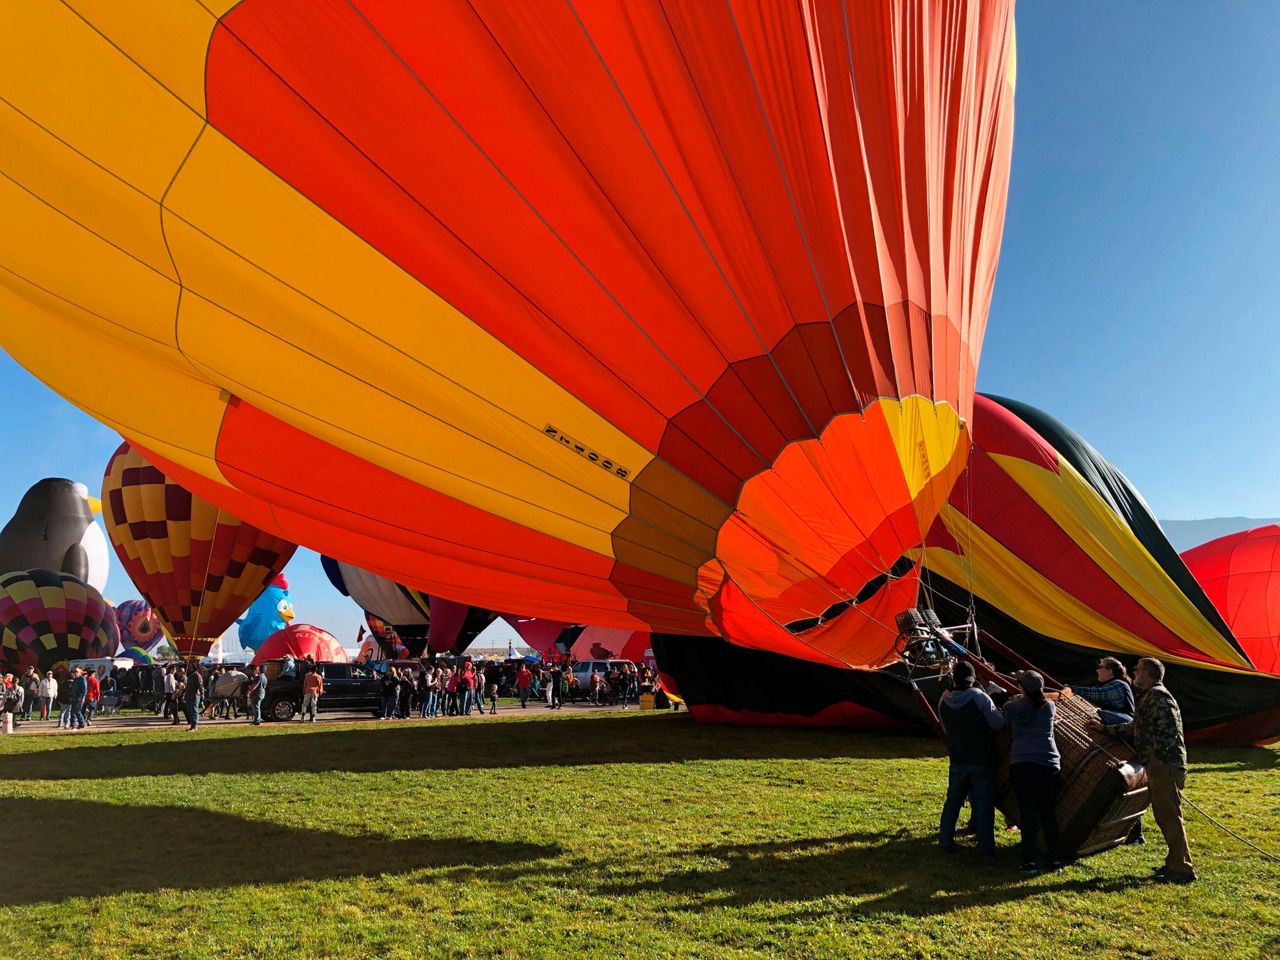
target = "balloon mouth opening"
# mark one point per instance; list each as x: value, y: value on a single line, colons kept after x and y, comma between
x: 901, y: 567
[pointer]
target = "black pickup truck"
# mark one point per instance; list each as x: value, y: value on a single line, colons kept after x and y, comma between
x: 347, y: 686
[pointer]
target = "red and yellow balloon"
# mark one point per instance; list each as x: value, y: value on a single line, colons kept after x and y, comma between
x: 667, y: 314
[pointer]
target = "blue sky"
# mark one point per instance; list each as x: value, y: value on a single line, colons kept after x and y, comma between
x: 1138, y: 285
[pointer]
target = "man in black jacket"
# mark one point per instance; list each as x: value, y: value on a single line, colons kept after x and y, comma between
x: 969, y: 718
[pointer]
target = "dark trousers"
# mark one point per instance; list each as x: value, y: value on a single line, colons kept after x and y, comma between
x: 1036, y: 786
x: 975, y: 782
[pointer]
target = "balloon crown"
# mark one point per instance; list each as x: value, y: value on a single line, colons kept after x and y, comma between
x: 280, y: 582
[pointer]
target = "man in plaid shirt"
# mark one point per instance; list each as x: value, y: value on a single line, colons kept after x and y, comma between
x: 1157, y: 734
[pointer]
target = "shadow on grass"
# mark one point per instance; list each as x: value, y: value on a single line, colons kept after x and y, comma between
x: 542, y: 742
x: 198, y: 849
x: 1234, y: 758
x: 884, y: 873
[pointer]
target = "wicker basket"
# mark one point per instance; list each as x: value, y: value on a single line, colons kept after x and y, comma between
x: 1104, y: 788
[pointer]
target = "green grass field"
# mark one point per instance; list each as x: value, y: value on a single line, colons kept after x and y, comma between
x: 596, y: 835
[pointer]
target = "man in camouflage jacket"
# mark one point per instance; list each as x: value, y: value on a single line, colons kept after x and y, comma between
x: 1156, y: 730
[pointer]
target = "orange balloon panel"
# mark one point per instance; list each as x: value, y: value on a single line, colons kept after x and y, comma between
x: 606, y: 313
x: 198, y: 567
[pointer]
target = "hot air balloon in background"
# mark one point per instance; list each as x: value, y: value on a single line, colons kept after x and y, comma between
x: 137, y: 654
x: 668, y: 315
x: 537, y: 633
x: 272, y: 611
x: 608, y: 643
x: 196, y: 565
x: 139, y: 626
x: 53, y: 529
x: 301, y: 640
x: 403, y: 612
x: 454, y: 626
x: 48, y: 617
x: 1240, y: 573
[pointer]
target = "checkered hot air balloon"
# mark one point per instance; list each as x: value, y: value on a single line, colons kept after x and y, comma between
x: 198, y: 566
x: 48, y: 617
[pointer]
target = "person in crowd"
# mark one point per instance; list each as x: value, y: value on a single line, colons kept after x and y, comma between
x: 1112, y: 695
x: 48, y: 694
x: 312, y: 690
x: 64, y: 702
x: 405, y: 689
x: 110, y: 685
x: 288, y: 667
x: 30, y: 690
x: 491, y: 691
x: 433, y: 691
x: 92, y: 698
x: 79, y: 690
x: 557, y: 686
x: 192, y: 695
x: 179, y: 695
x: 1035, y: 768
x: 10, y: 701
x: 171, y: 694
x: 158, y: 689
x: 421, y: 696
x: 630, y: 685
x: 466, y: 677
x: 524, y: 681
x: 257, y: 694
x: 451, y: 693
x: 390, y: 693
x: 970, y: 719
x: 1156, y: 730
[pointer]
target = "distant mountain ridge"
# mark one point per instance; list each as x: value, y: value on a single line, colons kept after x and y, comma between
x: 1185, y: 534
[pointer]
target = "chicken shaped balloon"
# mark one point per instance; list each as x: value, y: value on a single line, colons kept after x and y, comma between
x: 269, y: 614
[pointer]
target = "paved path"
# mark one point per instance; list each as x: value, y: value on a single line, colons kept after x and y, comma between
x: 145, y: 720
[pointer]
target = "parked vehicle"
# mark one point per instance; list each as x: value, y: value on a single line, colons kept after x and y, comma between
x: 582, y: 673
x: 347, y: 686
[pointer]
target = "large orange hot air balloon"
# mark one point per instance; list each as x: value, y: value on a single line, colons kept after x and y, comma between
x: 659, y: 315
x: 198, y: 566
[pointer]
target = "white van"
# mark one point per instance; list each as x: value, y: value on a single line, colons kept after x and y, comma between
x: 101, y: 665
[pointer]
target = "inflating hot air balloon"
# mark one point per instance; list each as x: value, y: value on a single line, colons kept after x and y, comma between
x: 667, y: 314
x: 196, y: 565
x: 301, y: 640
x: 139, y: 626
x: 48, y: 617
x: 53, y: 529
x: 1062, y: 562
x: 1240, y: 573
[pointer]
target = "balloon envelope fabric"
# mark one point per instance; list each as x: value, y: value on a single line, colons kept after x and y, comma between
x: 667, y: 314
x: 301, y: 640
x: 48, y: 617
x: 1064, y: 563
x: 197, y: 566
x: 139, y: 626
x: 1241, y: 575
